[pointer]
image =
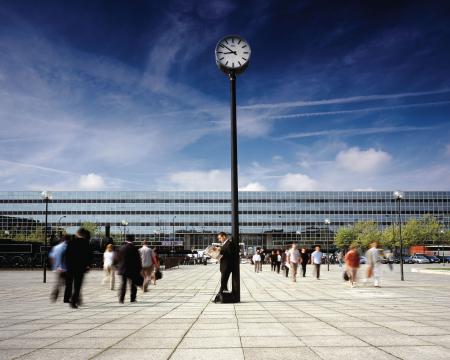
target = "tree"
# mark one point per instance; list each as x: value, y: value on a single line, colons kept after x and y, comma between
x: 93, y: 228
x: 367, y: 232
x: 389, y: 237
x: 344, y: 237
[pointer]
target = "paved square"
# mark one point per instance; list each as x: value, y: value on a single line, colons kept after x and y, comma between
x: 277, y: 319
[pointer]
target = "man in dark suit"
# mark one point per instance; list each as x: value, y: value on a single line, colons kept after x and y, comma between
x: 129, y: 267
x: 78, y: 261
x: 226, y: 261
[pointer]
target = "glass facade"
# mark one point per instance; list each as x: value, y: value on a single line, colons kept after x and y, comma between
x: 266, y: 218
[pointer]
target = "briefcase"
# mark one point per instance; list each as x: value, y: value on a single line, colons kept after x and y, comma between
x: 224, y: 298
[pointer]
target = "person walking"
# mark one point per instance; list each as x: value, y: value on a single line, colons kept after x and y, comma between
x: 263, y: 258
x: 257, y: 261
x: 286, y: 262
x: 278, y: 262
x: 148, y: 261
x: 78, y: 260
x: 340, y: 258
x: 129, y: 267
x: 316, y: 260
x: 304, y: 256
x: 374, y: 264
x: 57, y: 257
x: 108, y: 266
x: 157, y: 264
x: 294, y: 259
x: 273, y: 261
x: 352, y: 264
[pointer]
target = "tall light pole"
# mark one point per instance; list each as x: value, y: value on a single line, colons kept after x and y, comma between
x: 442, y: 240
x: 59, y: 224
x: 124, y: 224
x: 398, y: 196
x: 46, y: 196
x: 173, y: 231
x: 328, y: 222
x: 232, y: 55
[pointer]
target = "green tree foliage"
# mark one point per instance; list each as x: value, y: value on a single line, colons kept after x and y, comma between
x: 93, y: 228
x: 390, y: 238
x: 367, y: 232
x: 344, y: 237
x: 37, y: 235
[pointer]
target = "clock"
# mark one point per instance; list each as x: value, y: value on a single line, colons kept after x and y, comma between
x: 232, y: 54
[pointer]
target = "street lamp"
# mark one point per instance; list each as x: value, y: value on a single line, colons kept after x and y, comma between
x: 59, y: 224
x: 173, y: 231
x: 124, y: 224
x: 442, y: 240
x: 328, y: 222
x: 46, y: 196
x: 297, y: 233
x: 398, y: 196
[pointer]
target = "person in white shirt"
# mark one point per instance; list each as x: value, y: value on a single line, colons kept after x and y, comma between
x: 108, y: 266
x: 257, y: 261
x: 373, y: 264
x: 278, y: 263
x: 294, y: 257
x: 147, y: 260
x: 316, y: 260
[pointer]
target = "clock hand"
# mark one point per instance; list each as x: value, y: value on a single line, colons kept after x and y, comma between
x: 234, y: 52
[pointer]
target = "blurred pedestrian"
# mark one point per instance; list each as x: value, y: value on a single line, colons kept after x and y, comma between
x: 316, y: 260
x: 156, y: 275
x: 263, y: 258
x: 147, y: 260
x: 340, y: 258
x: 352, y: 264
x: 108, y: 266
x: 374, y: 264
x: 78, y: 261
x: 278, y: 262
x: 257, y: 261
x: 129, y: 267
x: 286, y: 262
x: 304, y: 260
x: 57, y: 257
x: 273, y: 261
x: 294, y: 259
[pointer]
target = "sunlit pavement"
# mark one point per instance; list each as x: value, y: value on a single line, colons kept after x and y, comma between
x: 276, y: 319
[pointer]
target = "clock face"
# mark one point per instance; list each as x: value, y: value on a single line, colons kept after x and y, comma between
x: 232, y: 52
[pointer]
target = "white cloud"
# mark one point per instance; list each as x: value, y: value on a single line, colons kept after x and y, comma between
x: 362, y: 161
x: 253, y: 186
x: 297, y: 182
x: 92, y: 182
x: 213, y: 180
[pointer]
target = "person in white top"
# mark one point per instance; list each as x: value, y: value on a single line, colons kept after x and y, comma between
x: 316, y: 260
x: 108, y: 266
x: 294, y: 257
x: 257, y: 261
x: 147, y: 264
x: 373, y: 264
x: 279, y: 259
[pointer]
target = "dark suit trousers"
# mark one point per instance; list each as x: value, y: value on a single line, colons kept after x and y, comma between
x: 225, y: 275
x: 123, y: 289
x: 304, y: 269
x: 74, y: 281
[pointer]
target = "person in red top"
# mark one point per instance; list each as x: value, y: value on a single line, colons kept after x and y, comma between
x: 352, y: 264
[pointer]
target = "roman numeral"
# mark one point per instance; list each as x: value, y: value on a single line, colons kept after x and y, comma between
x: 226, y: 42
x: 220, y: 52
x: 221, y: 58
x: 232, y: 40
x: 244, y: 46
x: 245, y: 52
x: 226, y: 62
x: 244, y: 59
x: 239, y: 63
x: 239, y: 41
x: 232, y: 64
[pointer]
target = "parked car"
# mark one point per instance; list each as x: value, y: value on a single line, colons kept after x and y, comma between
x: 445, y: 259
x: 419, y: 259
x: 362, y: 260
x: 406, y: 260
x: 433, y: 259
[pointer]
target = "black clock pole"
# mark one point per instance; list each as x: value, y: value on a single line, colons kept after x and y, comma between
x: 236, y: 283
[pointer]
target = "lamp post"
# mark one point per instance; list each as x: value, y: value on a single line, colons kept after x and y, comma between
x: 124, y: 224
x: 46, y: 196
x: 398, y: 196
x: 59, y: 224
x: 173, y: 231
x: 297, y: 233
x: 442, y: 240
x: 328, y: 222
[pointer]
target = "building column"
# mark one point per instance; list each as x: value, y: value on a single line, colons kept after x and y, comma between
x: 187, y: 242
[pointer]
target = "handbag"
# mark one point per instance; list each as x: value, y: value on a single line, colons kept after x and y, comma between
x: 158, y: 275
x: 345, y: 276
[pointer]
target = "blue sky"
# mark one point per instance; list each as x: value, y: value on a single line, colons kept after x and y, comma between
x: 125, y: 95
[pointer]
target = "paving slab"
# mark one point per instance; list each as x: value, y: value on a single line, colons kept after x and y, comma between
x: 276, y: 318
